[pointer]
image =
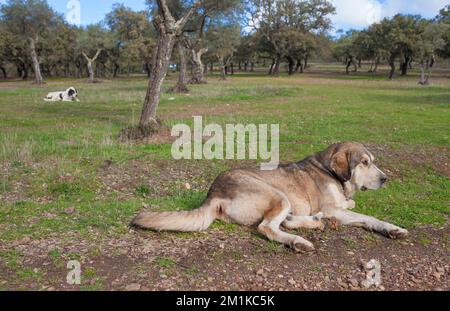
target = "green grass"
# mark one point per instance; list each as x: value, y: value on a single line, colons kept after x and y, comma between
x: 164, y: 262
x: 58, y: 149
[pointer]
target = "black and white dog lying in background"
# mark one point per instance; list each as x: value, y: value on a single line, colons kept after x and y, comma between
x: 69, y: 95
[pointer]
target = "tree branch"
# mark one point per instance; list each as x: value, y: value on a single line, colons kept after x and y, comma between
x: 85, y: 56
x: 182, y: 22
x: 164, y: 9
x: 97, y: 54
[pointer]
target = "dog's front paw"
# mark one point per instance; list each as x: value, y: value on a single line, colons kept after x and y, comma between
x: 319, y: 221
x: 398, y: 234
x: 318, y: 216
x: 303, y: 246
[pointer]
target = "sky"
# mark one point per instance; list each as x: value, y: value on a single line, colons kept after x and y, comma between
x: 351, y: 14
x: 358, y: 14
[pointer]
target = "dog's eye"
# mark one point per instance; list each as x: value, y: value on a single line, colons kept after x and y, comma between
x: 365, y: 162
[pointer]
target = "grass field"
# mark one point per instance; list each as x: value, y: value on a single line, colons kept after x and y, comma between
x: 68, y: 188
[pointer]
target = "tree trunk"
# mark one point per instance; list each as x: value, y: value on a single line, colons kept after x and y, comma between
x: 163, y: 52
x: 422, y: 73
x: 91, y: 78
x: 291, y: 64
x: 276, y: 68
x: 349, y: 63
x: 430, y: 65
x: 197, y: 74
x: 148, y: 69
x: 374, y: 65
x: 36, y: 66
x: 181, y: 86
x: 405, y: 66
x: 211, y: 67
x: 90, y: 62
x: 223, y: 70
x: 306, y: 62
x: 5, y: 75
x: 299, y: 66
x: 272, y: 67
x: 252, y: 66
x: 425, y: 66
x: 19, y: 71
x: 116, y: 68
x: 377, y: 62
x: 392, y: 64
x: 232, y: 68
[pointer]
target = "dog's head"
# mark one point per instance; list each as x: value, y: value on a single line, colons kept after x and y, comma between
x: 72, y: 92
x: 352, y: 162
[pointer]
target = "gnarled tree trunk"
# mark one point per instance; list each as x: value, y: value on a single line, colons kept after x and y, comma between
x: 404, y: 66
x: 272, y: 66
x: 5, y: 74
x: 198, y: 70
x: 148, y: 69
x: 392, y: 64
x: 351, y: 61
x: 181, y: 86
x: 158, y: 73
x: 276, y: 68
x: 35, y: 59
x: 22, y: 69
x: 299, y: 66
x: 223, y: 69
x: 425, y: 71
x: 116, y: 68
x: 291, y: 65
x: 167, y: 29
x: 90, y: 62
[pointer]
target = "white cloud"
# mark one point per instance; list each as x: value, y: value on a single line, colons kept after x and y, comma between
x: 356, y: 13
x: 426, y: 8
x: 359, y: 14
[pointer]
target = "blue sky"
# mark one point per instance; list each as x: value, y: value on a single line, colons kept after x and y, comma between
x: 355, y: 14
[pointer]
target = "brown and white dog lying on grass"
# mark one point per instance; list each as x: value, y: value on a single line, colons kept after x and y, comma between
x: 71, y: 94
x: 297, y: 195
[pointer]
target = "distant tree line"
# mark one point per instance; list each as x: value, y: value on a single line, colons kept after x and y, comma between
x: 231, y: 34
x: 400, y: 40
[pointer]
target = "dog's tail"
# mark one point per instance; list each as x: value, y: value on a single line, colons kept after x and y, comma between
x: 186, y: 221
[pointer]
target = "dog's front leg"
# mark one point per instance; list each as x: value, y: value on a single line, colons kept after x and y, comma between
x: 369, y: 223
x: 349, y: 204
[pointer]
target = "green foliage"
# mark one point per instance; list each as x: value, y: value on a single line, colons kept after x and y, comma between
x: 28, y: 18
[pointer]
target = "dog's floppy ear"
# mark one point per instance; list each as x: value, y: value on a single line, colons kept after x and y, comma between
x: 71, y: 92
x: 341, y: 166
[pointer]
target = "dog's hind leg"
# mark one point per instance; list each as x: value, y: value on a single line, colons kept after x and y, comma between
x: 308, y: 222
x: 270, y: 227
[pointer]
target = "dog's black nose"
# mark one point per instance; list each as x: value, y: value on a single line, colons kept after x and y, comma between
x: 383, y: 179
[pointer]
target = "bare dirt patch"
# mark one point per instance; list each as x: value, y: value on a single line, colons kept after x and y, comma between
x: 240, y: 260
